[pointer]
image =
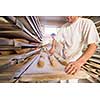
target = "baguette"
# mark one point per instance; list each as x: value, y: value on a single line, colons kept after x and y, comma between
x: 61, y: 60
x: 52, y: 61
x: 40, y: 63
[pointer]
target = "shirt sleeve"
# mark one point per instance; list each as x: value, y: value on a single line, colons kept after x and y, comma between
x: 90, y: 33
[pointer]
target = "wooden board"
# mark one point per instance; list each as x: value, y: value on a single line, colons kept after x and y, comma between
x: 59, y: 75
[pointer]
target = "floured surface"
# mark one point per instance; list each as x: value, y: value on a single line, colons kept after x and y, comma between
x: 47, y: 68
x: 57, y: 75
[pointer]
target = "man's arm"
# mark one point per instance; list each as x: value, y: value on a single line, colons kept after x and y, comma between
x: 52, y: 50
x: 73, y: 67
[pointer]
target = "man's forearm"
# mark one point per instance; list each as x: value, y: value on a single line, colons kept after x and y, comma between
x: 88, y: 53
x: 53, y: 47
x: 54, y: 43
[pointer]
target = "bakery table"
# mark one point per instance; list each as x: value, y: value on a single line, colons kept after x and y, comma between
x: 58, y: 76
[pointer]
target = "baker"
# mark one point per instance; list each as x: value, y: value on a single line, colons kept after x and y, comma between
x: 74, y: 35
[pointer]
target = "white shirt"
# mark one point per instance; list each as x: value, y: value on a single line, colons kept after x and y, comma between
x: 74, y: 36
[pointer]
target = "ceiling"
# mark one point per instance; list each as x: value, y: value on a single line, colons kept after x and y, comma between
x: 52, y: 21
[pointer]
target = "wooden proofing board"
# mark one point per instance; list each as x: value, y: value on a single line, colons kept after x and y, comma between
x: 48, y: 73
x: 58, y: 75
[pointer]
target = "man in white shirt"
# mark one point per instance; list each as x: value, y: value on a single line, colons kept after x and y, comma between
x: 76, y: 33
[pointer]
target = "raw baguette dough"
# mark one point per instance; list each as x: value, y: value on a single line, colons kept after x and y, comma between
x: 61, y: 60
x: 53, y: 62
x: 21, y: 51
x: 6, y: 53
x: 63, y: 63
x: 40, y: 63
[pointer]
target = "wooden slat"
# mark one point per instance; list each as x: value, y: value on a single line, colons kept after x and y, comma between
x: 94, y: 65
x: 96, y: 56
x: 8, y: 26
x: 94, y: 60
x: 26, y: 24
x: 34, y: 27
x: 92, y: 74
x: 91, y: 79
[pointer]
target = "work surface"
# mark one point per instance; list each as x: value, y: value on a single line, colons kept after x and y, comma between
x: 41, y: 77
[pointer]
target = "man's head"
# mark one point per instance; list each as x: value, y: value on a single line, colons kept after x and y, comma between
x: 71, y: 19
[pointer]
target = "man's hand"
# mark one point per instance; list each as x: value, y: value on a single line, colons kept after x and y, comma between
x: 51, y: 51
x: 73, y: 67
